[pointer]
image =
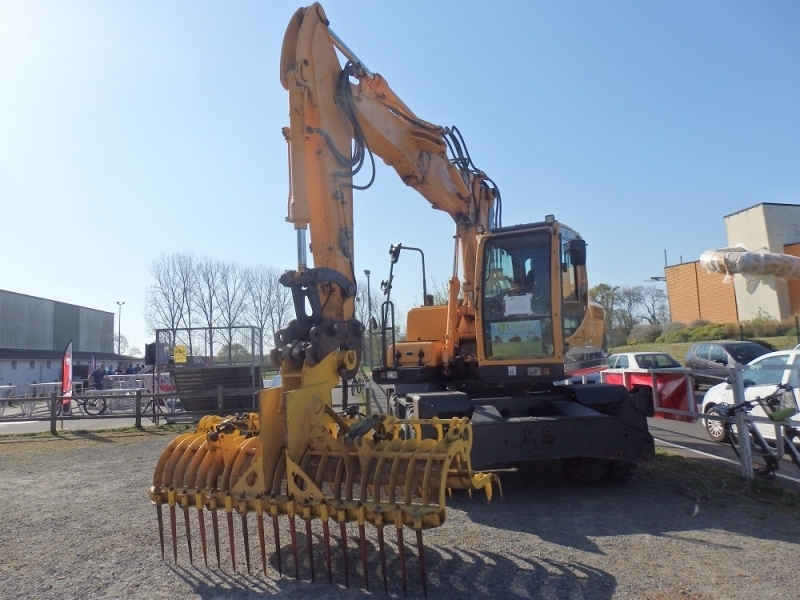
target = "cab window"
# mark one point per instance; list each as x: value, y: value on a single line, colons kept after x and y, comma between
x: 702, y: 351
x: 718, y: 355
x: 761, y: 376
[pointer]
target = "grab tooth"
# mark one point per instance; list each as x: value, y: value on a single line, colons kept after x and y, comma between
x: 362, y: 539
x: 229, y: 514
x: 421, y: 552
x: 185, y: 507
x: 171, y: 496
x: 198, y: 500
x: 381, y: 548
x: 293, y: 533
x: 273, y: 510
x: 260, y: 521
x: 326, y: 537
x: 212, y: 506
x: 160, y: 517
x: 401, y: 551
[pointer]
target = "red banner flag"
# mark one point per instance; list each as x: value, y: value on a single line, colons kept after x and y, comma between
x: 66, y: 380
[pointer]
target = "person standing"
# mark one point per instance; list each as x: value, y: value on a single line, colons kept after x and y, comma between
x: 98, y: 376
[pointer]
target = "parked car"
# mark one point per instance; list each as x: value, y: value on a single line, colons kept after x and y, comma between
x: 641, y: 361
x: 758, y: 382
x: 711, y: 360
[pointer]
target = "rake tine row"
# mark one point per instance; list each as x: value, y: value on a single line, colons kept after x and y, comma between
x: 362, y: 541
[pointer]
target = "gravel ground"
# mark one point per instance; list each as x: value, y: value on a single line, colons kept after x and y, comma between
x: 76, y: 523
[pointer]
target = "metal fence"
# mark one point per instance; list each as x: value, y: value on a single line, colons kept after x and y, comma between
x: 209, y: 346
x: 131, y: 397
x: 737, y: 380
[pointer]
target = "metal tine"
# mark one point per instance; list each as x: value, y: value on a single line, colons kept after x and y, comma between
x: 382, y: 551
x: 306, y: 516
x: 290, y: 511
x: 198, y: 500
x: 160, y: 517
x: 362, y: 535
x: 229, y: 514
x: 171, y: 500
x: 381, y: 547
x: 326, y: 538
x: 185, y: 507
x: 246, y: 537
x: 421, y: 552
x: 401, y: 550
x: 245, y: 534
x: 343, y: 533
x: 277, y: 535
x: 310, y: 547
x: 260, y: 521
x: 215, y: 527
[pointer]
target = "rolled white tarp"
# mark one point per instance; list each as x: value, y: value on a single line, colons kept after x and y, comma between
x: 751, y: 265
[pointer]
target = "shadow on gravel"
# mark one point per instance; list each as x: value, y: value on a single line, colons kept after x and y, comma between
x: 451, y: 574
x: 657, y: 501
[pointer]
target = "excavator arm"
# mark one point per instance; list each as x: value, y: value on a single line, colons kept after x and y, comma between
x: 338, y: 118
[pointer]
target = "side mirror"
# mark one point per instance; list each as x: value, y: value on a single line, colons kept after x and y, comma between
x: 577, y: 252
x: 394, y: 252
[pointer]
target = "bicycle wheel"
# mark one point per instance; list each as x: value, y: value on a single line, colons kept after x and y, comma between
x: 790, y: 439
x: 94, y: 406
x: 761, y: 455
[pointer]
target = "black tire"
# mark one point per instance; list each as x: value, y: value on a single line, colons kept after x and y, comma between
x: 94, y: 406
x: 764, y: 461
x: 716, y: 430
x: 587, y: 470
x: 620, y: 471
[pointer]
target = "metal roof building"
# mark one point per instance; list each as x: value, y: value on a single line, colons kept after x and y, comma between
x: 35, y: 331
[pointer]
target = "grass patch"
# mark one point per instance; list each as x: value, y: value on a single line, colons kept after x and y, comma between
x: 716, y: 485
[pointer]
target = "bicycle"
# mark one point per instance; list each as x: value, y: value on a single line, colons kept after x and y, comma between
x: 89, y: 405
x: 778, y: 406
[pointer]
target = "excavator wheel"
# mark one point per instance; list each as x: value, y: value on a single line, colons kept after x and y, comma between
x: 597, y: 470
x: 620, y: 471
x: 586, y: 470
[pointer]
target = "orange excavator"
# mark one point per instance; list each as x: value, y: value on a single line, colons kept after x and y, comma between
x: 517, y: 322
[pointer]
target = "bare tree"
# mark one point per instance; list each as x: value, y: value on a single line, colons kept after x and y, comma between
x: 207, y: 284
x: 269, y: 303
x: 232, y: 298
x: 629, y: 299
x: 655, y: 305
x: 166, y: 297
x: 186, y: 275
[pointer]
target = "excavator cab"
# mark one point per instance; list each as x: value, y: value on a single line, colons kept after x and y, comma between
x: 514, y: 313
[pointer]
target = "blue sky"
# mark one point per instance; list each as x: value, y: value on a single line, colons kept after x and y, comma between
x: 128, y: 129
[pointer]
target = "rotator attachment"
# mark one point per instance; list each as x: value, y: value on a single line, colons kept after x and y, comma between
x: 298, y: 458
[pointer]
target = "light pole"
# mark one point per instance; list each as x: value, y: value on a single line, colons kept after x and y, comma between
x: 369, y: 318
x: 119, y: 328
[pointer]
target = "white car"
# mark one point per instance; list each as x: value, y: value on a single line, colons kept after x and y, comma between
x: 759, y: 383
x: 641, y: 362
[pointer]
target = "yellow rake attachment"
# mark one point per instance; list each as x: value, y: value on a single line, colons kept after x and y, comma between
x: 299, y: 458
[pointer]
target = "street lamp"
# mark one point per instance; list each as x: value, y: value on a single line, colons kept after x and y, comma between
x: 369, y: 318
x: 119, y: 328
